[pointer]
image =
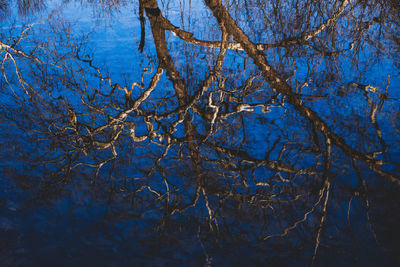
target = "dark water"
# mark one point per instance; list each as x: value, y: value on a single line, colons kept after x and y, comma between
x: 199, y: 133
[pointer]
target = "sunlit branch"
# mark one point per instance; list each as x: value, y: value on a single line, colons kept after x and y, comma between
x: 278, y: 84
x: 246, y: 158
x: 188, y: 37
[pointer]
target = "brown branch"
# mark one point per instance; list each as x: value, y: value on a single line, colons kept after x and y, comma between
x: 280, y: 85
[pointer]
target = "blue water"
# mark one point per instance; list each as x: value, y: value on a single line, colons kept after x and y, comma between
x: 221, y: 171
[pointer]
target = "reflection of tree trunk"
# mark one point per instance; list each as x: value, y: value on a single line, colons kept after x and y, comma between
x: 142, y: 27
x: 158, y: 27
x: 165, y: 61
x: 294, y: 99
x: 163, y: 55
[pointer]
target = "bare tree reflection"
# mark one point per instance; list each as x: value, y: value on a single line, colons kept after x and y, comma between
x: 266, y: 156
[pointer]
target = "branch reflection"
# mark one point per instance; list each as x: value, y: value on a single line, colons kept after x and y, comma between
x: 265, y: 140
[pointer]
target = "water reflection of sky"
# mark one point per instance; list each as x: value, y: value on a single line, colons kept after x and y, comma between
x: 228, y: 170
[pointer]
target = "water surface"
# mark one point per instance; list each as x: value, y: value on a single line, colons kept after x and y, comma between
x: 199, y: 133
